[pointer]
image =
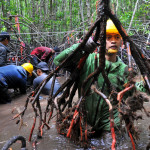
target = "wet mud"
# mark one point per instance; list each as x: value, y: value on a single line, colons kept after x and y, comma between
x: 51, y: 139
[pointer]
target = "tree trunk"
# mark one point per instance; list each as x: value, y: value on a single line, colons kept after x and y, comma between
x: 133, y: 16
x: 117, y: 5
x: 88, y: 11
x: 70, y: 9
x: 45, y: 10
x: 4, y: 11
x: 51, y: 6
x: 41, y: 15
x: 26, y: 4
x: 33, y: 3
x: 81, y: 13
x: 21, y: 8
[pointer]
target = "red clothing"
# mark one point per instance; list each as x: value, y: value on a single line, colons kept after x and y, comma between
x: 43, y: 53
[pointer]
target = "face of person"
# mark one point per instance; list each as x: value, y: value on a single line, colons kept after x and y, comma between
x: 113, y: 41
x: 6, y: 41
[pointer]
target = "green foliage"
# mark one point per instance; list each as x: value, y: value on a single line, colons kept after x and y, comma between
x: 59, y: 14
x: 61, y: 18
x: 3, y: 29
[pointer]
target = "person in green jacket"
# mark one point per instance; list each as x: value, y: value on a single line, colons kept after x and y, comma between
x: 118, y: 73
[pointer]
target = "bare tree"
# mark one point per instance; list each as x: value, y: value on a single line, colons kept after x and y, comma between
x: 70, y: 9
x: 132, y: 16
x: 88, y: 10
x: 81, y: 12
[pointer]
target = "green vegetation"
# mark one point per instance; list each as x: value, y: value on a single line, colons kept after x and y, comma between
x: 67, y: 15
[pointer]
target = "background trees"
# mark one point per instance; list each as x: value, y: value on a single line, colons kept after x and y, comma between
x: 50, y: 22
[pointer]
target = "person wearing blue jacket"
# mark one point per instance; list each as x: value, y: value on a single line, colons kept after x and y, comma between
x: 13, y: 76
x: 4, y: 40
x: 42, y: 69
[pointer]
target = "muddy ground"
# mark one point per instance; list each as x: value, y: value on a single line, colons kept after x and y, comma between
x: 51, y: 139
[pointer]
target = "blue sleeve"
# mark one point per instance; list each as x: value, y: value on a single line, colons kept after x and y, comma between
x: 22, y: 86
x: 35, y: 83
x: 56, y: 87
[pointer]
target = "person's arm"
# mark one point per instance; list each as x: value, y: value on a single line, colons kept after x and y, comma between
x: 64, y: 54
x: 22, y: 86
x: 48, y: 52
x: 35, y: 83
x: 140, y: 86
x: 88, y: 48
x: 43, y: 57
x: 34, y: 51
x: 52, y: 51
x: 3, y: 56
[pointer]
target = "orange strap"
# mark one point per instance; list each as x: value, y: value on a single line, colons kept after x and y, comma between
x: 17, y: 25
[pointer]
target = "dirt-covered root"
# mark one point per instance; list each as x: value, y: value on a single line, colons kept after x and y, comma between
x: 78, y: 131
x: 129, y: 108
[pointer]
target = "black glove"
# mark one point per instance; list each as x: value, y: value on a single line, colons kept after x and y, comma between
x: 90, y: 46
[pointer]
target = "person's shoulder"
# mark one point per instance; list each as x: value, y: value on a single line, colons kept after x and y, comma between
x: 21, y: 70
x: 18, y: 67
x: 36, y: 80
x: 120, y: 62
x: 43, y: 47
x: 39, y: 78
x: 1, y: 45
x: 122, y: 66
x: 2, y: 48
x: 11, y: 66
x: 36, y: 48
x: 43, y: 76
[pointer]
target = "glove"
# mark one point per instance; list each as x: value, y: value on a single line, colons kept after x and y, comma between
x: 90, y: 46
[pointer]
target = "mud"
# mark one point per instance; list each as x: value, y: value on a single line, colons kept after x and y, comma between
x: 51, y: 139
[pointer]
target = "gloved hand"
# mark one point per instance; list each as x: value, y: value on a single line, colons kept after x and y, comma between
x: 90, y: 46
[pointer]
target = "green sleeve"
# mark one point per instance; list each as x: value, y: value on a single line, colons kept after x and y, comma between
x: 140, y: 86
x: 72, y: 63
x: 64, y: 54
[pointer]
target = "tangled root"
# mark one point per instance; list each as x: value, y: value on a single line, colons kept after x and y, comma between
x: 130, y: 107
x: 78, y: 131
x: 63, y: 122
x: 136, y: 101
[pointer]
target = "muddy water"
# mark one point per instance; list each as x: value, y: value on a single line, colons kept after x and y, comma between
x: 51, y: 139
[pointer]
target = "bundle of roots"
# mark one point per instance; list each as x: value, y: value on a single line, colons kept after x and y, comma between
x: 129, y: 108
x: 78, y: 132
x: 63, y: 121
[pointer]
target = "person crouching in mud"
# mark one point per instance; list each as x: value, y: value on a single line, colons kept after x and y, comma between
x: 117, y: 73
